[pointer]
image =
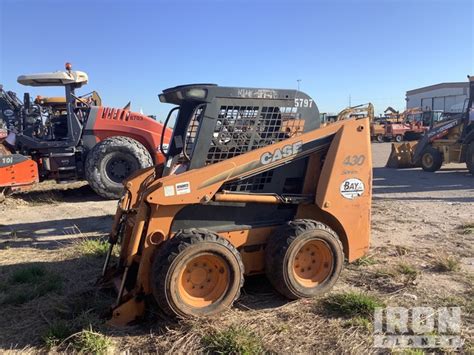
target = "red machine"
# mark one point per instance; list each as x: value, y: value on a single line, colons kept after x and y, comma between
x: 415, y: 123
x: 73, y: 138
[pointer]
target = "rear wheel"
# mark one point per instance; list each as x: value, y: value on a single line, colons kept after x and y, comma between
x: 470, y: 158
x: 380, y: 138
x: 431, y: 159
x: 196, y: 273
x: 304, y: 259
x: 113, y: 160
x: 398, y: 138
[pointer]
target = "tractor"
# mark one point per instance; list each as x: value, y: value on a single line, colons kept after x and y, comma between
x: 73, y: 137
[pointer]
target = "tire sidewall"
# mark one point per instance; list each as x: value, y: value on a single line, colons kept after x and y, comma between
x: 165, y: 282
x: 95, y: 167
x: 106, y: 159
x: 299, y: 241
x: 470, y: 158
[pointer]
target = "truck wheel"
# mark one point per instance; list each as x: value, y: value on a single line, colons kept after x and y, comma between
x: 196, y: 273
x: 398, y: 138
x: 112, y: 161
x: 470, y: 158
x: 304, y: 259
x: 431, y: 159
x: 380, y: 138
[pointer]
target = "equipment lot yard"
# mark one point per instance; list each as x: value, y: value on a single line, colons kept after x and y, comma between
x: 421, y: 254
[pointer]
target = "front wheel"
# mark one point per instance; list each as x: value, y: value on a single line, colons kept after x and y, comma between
x: 196, y: 273
x: 431, y: 159
x: 398, y: 138
x: 380, y: 138
x: 113, y: 160
x: 304, y: 259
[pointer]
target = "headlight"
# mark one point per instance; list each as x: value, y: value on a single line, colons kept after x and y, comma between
x: 197, y: 93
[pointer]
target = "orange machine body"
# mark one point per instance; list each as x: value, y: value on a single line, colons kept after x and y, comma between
x: 337, y: 189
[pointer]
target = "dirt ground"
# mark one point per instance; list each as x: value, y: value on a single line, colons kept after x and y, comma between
x: 421, y: 222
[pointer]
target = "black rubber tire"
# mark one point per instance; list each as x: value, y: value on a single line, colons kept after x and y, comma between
x: 431, y: 159
x: 470, y: 158
x: 412, y: 136
x: 282, y: 248
x: 380, y: 138
x: 398, y: 138
x: 98, y: 158
x: 174, y: 255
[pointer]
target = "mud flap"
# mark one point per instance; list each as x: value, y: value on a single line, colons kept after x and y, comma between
x: 401, y: 155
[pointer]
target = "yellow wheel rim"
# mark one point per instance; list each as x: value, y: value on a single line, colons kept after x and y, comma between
x: 313, y: 263
x: 204, y: 280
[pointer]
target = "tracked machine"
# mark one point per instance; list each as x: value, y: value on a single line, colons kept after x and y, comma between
x: 251, y: 185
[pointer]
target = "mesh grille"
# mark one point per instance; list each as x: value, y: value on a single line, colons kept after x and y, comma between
x: 240, y: 129
x: 256, y: 182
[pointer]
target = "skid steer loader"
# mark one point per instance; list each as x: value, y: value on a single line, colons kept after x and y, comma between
x: 251, y: 185
x: 448, y: 141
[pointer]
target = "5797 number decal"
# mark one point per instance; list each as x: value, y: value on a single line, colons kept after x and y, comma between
x: 303, y: 102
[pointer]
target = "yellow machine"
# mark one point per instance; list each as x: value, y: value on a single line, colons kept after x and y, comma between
x: 449, y: 141
x: 251, y: 185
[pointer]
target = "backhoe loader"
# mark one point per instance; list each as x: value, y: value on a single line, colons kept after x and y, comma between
x: 251, y: 185
x: 449, y: 141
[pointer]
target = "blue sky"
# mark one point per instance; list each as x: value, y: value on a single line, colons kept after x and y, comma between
x: 371, y: 50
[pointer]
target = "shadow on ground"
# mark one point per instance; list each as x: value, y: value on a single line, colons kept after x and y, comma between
x: 56, y: 193
x: 391, y: 183
x: 52, y: 234
x: 78, y: 302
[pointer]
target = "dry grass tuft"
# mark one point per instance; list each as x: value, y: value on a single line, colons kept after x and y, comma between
x: 448, y: 263
x: 233, y: 340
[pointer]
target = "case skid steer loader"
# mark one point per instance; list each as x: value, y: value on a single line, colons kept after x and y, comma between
x: 251, y: 185
x: 448, y: 141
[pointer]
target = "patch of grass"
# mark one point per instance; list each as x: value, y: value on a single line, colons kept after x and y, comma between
x: 359, y: 322
x: 93, y: 247
x: 467, y: 228
x: 30, y: 274
x: 447, y: 264
x: 401, y: 250
x: 90, y: 342
x: 407, y: 270
x: 56, y: 333
x: 234, y: 340
x: 384, y: 273
x: 352, y: 304
x: 366, y: 261
x: 29, y: 283
x: 409, y: 352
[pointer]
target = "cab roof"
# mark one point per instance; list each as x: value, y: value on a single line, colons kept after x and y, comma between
x: 59, y: 78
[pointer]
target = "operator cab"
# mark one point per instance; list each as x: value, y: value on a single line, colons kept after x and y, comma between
x: 54, y: 119
x: 215, y: 123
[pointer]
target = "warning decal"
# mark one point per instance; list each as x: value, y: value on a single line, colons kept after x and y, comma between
x: 169, y: 190
x: 183, y: 188
x: 352, y: 188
